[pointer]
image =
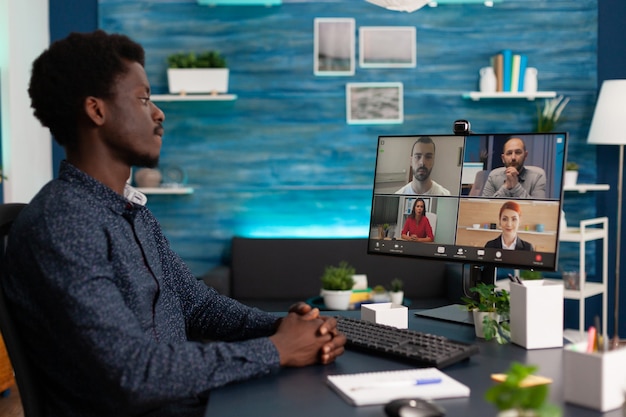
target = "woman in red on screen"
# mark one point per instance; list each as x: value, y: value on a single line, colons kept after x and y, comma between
x: 510, y: 217
x: 417, y: 227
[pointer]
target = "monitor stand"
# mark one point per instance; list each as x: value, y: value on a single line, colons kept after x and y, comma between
x: 471, y: 275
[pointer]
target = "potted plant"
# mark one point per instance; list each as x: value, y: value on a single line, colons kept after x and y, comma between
x: 514, y: 396
x: 379, y: 294
x: 397, y: 293
x: 337, y: 283
x: 491, y: 309
x: 571, y: 173
x: 205, y: 72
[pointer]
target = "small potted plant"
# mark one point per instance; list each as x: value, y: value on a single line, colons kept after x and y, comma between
x: 337, y: 283
x: 514, y: 396
x: 571, y: 173
x: 491, y: 309
x: 205, y: 72
x: 379, y: 294
x: 397, y: 292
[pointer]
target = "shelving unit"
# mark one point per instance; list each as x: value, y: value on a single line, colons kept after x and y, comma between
x: 583, y: 188
x: 166, y: 190
x: 193, y: 97
x: 477, y: 95
x: 589, y: 230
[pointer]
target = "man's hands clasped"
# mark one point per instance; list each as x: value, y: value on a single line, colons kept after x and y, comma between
x: 304, y: 337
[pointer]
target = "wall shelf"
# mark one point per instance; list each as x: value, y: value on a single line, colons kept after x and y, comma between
x: 166, y: 190
x: 193, y: 97
x: 477, y: 95
x: 583, y: 188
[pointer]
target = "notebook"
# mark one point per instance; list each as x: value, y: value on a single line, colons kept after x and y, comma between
x: 381, y: 387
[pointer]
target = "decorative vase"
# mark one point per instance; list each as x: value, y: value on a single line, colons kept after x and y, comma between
x: 336, y: 300
x: 148, y: 177
x: 530, y: 80
x: 488, y: 82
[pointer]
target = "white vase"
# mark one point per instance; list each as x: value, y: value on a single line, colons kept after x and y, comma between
x: 336, y: 300
x: 530, y: 80
x: 488, y: 82
x: 397, y: 297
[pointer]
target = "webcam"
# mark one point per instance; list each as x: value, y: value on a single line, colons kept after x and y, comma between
x: 462, y: 127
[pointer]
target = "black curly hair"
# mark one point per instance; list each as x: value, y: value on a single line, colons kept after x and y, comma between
x: 71, y: 69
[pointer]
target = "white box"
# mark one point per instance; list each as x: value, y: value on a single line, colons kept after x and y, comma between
x: 537, y: 314
x: 594, y: 380
x: 395, y: 315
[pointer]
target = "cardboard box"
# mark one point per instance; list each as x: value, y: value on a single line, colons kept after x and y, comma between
x: 594, y: 380
x: 537, y: 314
x: 395, y: 315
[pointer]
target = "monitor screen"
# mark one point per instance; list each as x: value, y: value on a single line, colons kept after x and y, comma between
x: 487, y: 199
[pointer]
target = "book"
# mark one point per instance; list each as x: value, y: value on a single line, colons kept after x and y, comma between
x: 497, y: 68
x: 507, y: 61
x: 372, y: 388
x: 515, y: 66
x: 522, y: 72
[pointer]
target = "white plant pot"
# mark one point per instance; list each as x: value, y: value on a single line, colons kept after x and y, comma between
x: 336, y: 300
x: 478, y: 321
x: 571, y: 177
x: 197, y: 80
x: 397, y: 297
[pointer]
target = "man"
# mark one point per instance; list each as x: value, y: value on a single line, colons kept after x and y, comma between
x: 114, y: 323
x: 514, y: 179
x: 422, y: 161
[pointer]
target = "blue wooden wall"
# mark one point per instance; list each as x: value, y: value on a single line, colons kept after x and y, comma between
x: 281, y: 160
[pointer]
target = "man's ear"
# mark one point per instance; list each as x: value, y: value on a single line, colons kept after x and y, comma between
x: 94, y: 109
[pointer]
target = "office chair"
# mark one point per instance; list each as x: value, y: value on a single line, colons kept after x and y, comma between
x: 26, y: 381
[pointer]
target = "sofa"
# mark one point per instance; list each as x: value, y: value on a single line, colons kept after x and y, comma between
x: 274, y: 273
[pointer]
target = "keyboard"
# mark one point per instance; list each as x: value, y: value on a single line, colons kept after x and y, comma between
x: 421, y: 349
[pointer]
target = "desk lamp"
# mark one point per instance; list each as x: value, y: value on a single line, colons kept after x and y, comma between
x: 607, y: 128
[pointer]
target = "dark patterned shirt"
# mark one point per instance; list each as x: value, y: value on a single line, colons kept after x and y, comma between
x: 114, y: 321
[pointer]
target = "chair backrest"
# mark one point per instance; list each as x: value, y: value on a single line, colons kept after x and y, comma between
x: 26, y: 381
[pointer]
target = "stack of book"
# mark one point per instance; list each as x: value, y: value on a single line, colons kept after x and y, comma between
x: 509, y: 69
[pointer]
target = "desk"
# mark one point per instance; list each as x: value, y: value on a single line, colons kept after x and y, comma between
x: 303, y: 391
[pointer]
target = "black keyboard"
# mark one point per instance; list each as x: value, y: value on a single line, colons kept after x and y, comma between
x: 422, y: 349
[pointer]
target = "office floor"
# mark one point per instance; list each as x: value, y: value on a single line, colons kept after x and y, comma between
x: 11, y: 405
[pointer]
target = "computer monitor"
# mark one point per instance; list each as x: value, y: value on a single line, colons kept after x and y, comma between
x: 480, y: 207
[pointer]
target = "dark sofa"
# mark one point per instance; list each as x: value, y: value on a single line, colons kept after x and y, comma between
x: 273, y: 273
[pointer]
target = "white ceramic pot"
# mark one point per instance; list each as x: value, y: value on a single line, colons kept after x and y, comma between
x: 478, y: 321
x: 197, y: 80
x: 571, y: 177
x: 336, y: 300
x: 397, y: 297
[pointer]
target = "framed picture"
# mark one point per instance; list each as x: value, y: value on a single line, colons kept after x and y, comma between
x: 374, y: 103
x: 334, y: 46
x: 387, y: 47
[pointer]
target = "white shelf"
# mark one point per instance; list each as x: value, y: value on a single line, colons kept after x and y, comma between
x: 193, y: 97
x: 583, y: 188
x: 589, y: 230
x: 166, y: 190
x: 477, y: 95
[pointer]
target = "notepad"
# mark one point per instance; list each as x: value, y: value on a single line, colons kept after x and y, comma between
x: 373, y: 388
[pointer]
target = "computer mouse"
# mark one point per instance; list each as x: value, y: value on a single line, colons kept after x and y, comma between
x: 413, y: 407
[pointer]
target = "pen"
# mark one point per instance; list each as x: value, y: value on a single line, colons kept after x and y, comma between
x: 411, y: 382
x: 515, y: 279
x: 599, y: 335
x: 591, y: 339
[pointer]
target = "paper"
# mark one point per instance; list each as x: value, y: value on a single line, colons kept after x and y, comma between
x: 381, y: 387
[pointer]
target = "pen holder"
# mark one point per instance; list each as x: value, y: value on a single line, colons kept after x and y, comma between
x: 537, y: 314
x: 594, y: 380
x: 386, y: 313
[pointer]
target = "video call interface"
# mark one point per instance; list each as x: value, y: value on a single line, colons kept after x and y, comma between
x: 490, y: 198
